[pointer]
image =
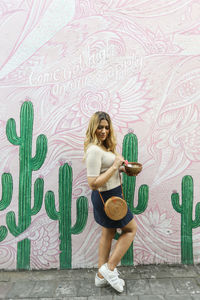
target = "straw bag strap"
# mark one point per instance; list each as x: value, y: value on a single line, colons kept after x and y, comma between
x: 121, y: 187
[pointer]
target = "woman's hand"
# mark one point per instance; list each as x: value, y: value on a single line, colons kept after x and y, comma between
x: 122, y: 169
x: 119, y: 160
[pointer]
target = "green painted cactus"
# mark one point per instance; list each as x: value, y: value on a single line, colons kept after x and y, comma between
x: 28, y: 164
x: 7, y: 190
x: 130, y: 153
x: 3, y: 233
x: 64, y: 214
x: 187, y: 223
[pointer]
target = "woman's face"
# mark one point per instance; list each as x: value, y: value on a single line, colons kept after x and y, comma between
x: 102, y: 131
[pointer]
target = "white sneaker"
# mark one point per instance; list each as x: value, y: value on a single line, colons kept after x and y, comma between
x: 112, y: 278
x: 102, y: 282
x: 118, y: 273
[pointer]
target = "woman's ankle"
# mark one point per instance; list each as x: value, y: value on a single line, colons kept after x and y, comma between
x: 111, y: 266
x: 99, y: 275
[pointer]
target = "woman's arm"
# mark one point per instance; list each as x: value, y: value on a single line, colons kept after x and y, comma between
x: 96, y: 182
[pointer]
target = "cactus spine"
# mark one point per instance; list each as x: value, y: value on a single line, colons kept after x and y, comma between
x: 7, y: 190
x: 64, y: 214
x: 130, y: 153
x: 187, y: 223
x: 28, y: 164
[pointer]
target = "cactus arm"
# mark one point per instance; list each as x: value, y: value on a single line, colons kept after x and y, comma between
x: 7, y: 190
x: 3, y: 233
x: 143, y: 195
x: 11, y: 132
x: 196, y: 222
x: 38, y: 195
x: 175, y: 202
x: 11, y: 223
x: 41, y: 151
x: 82, y: 215
x: 50, y: 206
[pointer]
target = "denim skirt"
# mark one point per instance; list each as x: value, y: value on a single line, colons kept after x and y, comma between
x: 99, y: 213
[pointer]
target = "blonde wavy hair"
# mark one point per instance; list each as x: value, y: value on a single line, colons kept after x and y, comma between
x: 91, y: 138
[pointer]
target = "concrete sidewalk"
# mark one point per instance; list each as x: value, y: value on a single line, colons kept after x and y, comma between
x: 151, y: 282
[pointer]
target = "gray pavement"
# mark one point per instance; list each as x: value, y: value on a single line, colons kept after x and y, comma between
x: 143, y: 282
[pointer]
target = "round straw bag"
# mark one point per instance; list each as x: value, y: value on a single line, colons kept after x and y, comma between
x: 115, y: 207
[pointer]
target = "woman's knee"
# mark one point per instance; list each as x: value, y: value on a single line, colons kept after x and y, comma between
x: 131, y: 227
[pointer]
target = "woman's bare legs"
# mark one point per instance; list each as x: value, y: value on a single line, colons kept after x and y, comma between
x: 105, y: 243
x: 121, y: 247
x: 123, y: 243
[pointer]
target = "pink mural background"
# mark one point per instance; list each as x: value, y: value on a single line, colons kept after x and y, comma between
x: 137, y: 60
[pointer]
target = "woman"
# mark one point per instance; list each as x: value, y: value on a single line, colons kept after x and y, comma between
x: 103, y: 166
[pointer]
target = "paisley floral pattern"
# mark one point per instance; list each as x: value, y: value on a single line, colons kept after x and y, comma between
x: 137, y: 60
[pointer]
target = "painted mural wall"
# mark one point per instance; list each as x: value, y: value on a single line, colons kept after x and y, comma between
x: 62, y: 60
